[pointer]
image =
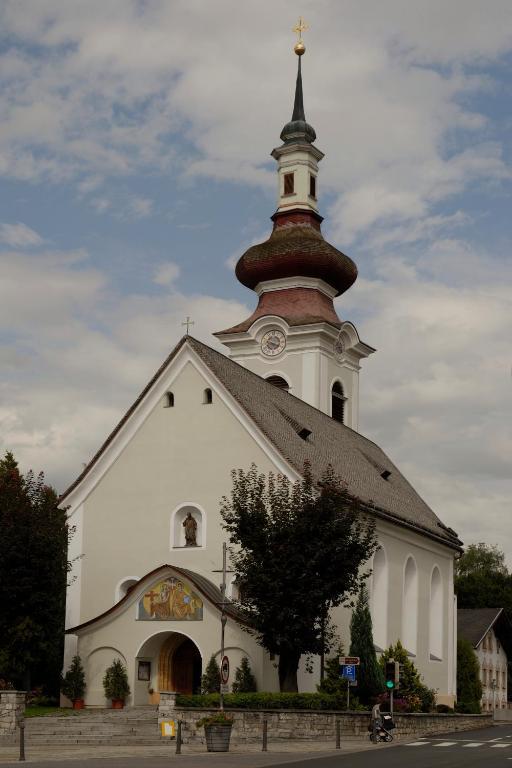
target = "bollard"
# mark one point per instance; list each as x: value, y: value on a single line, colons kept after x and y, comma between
x: 265, y: 729
x: 22, y: 739
x: 178, y: 738
x: 338, y: 733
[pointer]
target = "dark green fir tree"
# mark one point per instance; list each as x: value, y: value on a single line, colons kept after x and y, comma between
x: 244, y: 682
x: 370, y: 680
x: 469, y: 687
x: 210, y: 681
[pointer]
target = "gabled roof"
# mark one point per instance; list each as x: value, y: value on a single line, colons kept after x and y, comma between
x: 203, y: 585
x: 368, y: 473
x: 474, y: 623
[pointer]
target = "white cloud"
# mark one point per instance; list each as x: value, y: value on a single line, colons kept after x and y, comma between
x: 166, y: 274
x: 79, y: 353
x: 19, y: 235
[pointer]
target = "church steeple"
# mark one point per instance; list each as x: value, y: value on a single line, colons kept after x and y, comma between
x: 296, y: 275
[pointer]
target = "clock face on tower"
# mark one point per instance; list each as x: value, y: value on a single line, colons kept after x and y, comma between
x: 273, y: 342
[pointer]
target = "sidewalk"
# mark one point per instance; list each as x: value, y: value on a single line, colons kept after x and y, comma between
x: 193, y: 756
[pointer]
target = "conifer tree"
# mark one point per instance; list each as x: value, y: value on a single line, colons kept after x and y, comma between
x: 370, y: 680
x: 210, y: 681
x: 469, y: 687
x: 244, y: 682
x: 333, y: 683
x: 33, y: 570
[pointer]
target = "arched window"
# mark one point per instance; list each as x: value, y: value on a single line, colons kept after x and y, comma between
x: 169, y: 400
x: 124, y: 586
x: 188, y: 526
x: 207, y: 396
x: 380, y: 598
x: 436, y: 616
x: 279, y: 382
x: 410, y: 607
x: 338, y: 402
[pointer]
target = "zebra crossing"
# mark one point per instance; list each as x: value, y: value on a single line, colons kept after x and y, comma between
x: 462, y: 743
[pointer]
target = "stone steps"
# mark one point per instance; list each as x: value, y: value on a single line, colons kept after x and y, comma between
x: 116, y: 727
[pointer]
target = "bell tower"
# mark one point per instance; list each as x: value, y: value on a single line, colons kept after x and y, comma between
x: 294, y: 338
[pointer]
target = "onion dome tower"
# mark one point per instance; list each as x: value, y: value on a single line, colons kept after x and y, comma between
x: 294, y: 338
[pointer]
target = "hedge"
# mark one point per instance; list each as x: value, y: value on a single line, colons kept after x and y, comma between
x: 268, y: 701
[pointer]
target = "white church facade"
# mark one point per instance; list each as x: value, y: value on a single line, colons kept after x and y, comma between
x: 287, y: 394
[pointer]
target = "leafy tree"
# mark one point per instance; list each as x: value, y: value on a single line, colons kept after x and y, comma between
x: 300, y: 549
x: 245, y: 682
x: 482, y: 579
x: 417, y: 695
x: 370, y: 680
x: 210, y: 681
x: 469, y: 687
x: 33, y: 569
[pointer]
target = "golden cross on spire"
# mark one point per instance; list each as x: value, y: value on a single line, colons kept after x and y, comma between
x: 301, y: 27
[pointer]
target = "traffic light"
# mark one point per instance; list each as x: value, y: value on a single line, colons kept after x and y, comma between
x: 392, y: 674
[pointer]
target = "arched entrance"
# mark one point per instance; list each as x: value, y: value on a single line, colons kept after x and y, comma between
x: 179, y: 665
x: 170, y: 661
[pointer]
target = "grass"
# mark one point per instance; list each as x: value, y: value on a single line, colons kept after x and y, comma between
x: 47, y: 711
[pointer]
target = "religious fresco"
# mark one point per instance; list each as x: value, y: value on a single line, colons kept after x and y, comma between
x: 170, y: 600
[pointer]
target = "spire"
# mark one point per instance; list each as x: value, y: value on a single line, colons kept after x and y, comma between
x: 298, y: 131
x: 298, y: 104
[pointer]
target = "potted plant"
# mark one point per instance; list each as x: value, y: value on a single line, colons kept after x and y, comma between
x: 73, y: 683
x: 217, y: 729
x: 115, y: 684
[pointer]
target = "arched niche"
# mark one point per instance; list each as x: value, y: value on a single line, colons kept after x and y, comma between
x: 436, y: 616
x: 126, y: 585
x: 410, y: 606
x: 279, y: 381
x: 184, y: 512
x: 380, y: 598
x: 97, y: 663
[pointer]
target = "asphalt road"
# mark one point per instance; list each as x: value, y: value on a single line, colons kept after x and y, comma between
x: 489, y: 747
x: 471, y: 749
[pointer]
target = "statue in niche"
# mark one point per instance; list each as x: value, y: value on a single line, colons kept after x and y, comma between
x: 190, y: 526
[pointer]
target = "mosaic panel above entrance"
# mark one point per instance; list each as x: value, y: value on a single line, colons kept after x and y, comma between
x: 170, y: 599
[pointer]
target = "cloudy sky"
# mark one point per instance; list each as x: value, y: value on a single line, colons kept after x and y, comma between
x: 135, y: 169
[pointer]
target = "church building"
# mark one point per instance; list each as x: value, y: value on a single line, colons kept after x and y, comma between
x: 148, y: 540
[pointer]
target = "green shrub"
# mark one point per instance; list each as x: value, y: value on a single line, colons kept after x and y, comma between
x: 73, y: 682
x: 270, y: 701
x: 444, y: 709
x: 219, y: 719
x: 245, y: 682
x: 412, y: 689
x: 210, y: 681
x: 115, y: 681
x: 467, y: 707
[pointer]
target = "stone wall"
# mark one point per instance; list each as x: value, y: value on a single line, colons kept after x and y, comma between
x: 12, y: 703
x: 301, y: 724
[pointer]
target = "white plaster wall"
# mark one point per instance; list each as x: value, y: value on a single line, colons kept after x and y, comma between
x: 123, y: 636
x: 180, y: 454
x: 399, y: 544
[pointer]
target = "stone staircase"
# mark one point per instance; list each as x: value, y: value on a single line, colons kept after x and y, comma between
x: 130, y: 726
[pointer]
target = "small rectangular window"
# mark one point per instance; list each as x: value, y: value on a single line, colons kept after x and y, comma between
x: 289, y: 183
x: 312, y: 185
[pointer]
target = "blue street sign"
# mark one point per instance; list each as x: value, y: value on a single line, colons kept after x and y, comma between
x: 348, y: 672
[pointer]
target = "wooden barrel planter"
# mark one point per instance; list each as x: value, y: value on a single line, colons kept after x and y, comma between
x: 217, y: 737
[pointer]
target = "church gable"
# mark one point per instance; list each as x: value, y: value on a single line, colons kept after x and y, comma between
x: 183, y: 395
